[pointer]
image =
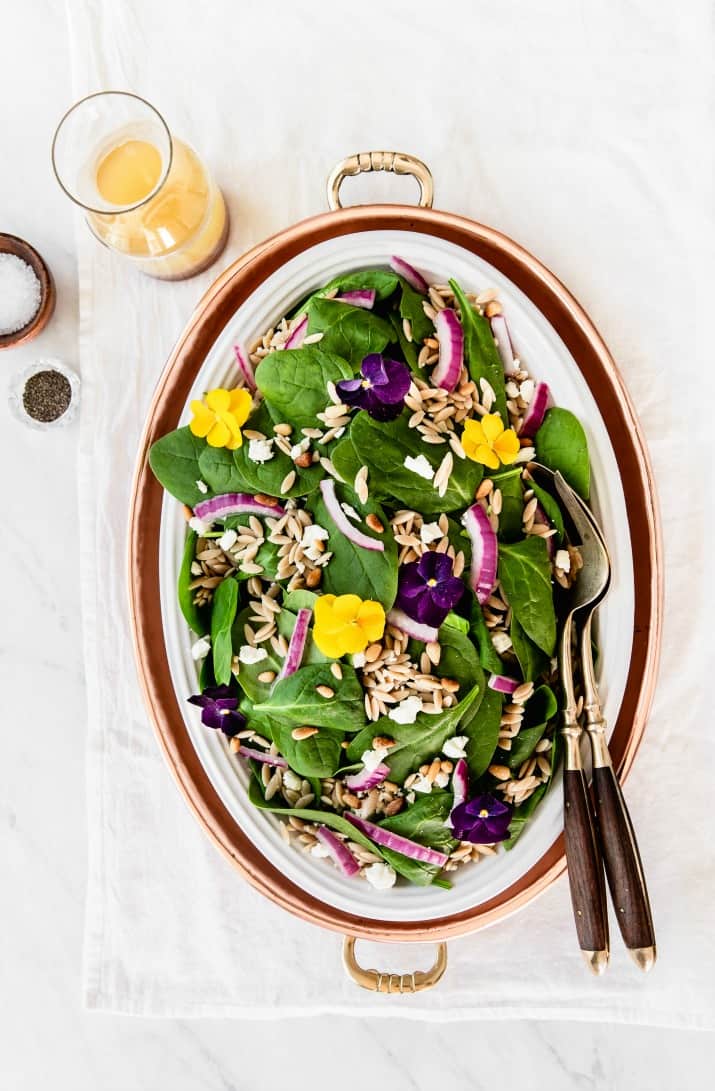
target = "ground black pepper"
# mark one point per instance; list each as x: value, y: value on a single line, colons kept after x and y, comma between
x: 46, y: 396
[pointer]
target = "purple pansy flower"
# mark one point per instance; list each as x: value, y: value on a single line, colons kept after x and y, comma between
x: 428, y: 590
x: 219, y: 709
x: 483, y: 820
x: 381, y: 390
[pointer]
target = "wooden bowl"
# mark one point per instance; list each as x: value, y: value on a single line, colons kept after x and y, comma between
x: 11, y: 244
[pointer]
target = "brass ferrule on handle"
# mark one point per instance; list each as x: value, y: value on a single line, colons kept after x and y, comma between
x: 380, y: 982
x: 395, y: 162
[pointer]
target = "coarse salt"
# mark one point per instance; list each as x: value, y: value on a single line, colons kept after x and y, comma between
x: 20, y: 293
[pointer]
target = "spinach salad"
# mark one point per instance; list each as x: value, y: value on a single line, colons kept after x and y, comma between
x: 370, y: 573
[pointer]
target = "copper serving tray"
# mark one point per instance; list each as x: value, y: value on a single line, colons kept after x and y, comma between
x: 574, y: 327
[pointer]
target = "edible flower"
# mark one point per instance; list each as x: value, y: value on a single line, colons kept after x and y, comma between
x: 427, y: 590
x: 345, y: 624
x: 381, y: 390
x: 218, y: 418
x: 489, y: 442
x: 483, y: 820
x: 219, y: 709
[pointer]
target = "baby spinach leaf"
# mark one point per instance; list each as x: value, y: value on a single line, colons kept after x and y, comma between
x: 456, y: 621
x: 345, y: 460
x: 318, y: 756
x: 350, y: 332
x: 195, y: 617
x: 551, y: 508
x: 414, y: 743
x: 286, y: 624
x: 479, y: 633
x: 382, y: 281
x: 525, y: 811
x: 424, y: 822
x: 525, y: 575
x: 174, y: 460
x: 383, y: 447
x: 481, y: 354
x: 561, y: 445
x: 541, y: 708
x: 532, y: 661
x: 481, y: 726
x: 247, y: 677
x: 223, y: 613
x: 294, y: 382
x: 412, y: 309
x: 510, y: 517
x: 459, y: 659
x: 295, y: 699
x: 300, y: 599
x: 371, y: 574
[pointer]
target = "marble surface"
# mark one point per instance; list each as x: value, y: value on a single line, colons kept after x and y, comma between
x: 46, y: 1037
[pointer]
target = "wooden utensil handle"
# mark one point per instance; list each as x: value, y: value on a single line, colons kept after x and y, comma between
x: 588, y: 893
x: 623, y: 867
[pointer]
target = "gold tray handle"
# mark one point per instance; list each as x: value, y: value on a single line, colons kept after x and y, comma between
x: 365, y: 162
x: 379, y: 982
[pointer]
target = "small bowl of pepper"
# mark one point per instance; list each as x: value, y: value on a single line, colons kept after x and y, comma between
x: 27, y: 292
x: 46, y: 394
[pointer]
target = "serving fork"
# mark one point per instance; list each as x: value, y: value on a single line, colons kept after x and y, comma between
x: 613, y: 834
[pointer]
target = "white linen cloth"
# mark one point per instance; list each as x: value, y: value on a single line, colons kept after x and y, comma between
x: 585, y: 132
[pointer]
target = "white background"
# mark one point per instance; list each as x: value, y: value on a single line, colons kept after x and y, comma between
x: 45, y: 1037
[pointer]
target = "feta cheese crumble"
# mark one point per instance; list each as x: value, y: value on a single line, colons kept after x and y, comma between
x: 311, y: 536
x: 200, y: 649
x: 372, y: 758
x: 421, y: 784
x: 456, y: 746
x: 249, y: 654
x: 380, y: 876
x: 406, y: 711
x: 202, y: 487
x: 260, y: 450
x: 430, y: 532
x: 420, y: 466
x: 350, y: 512
x: 562, y: 560
x: 228, y: 539
x: 200, y: 526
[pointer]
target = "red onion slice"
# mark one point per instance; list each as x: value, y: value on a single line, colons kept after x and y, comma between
x: 261, y: 755
x: 367, y: 778
x: 235, y: 503
x: 297, y: 334
x: 296, y: 646
x: 534, y: 416
x: 361, y: 297
x: 410, y: 274
x: 460, y: 783
x: 244, y: 366
x: 336, y: 513
x: 338, y: 850
x: 484, y: 552
x: 397, y: 843
x: 451, y: 350
x: 505, y: 348
x: 501, y: 683
x: 415, y: 629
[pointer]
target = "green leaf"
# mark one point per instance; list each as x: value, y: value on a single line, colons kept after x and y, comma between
x: 383, y: 447
x: 456, y: 621
x: 479, y: 633
x: 424, y: 822
x: 354, y: 570
x: 247, y: 676
x: 223, y: 613
x: 561, y: 445
x: 382, y: 281
x: 350, y: 332
x: 414, y: 743
x: 551, y: 508
x: 295, y: 383
x: 532, y: 661
x: 510, y: 517
x: 481, y: 354
x: 174, y: 460
x: 296, y: 700
x: 526, y: 810
x: 540, y: 709
x: 458, y: 659
x: 195, y: 617
x: 411, y: 308
x: 300, y: 599
x: 345, y: 459
x: 525, y: 575
x: 481, y: 726
x: 318, y: 756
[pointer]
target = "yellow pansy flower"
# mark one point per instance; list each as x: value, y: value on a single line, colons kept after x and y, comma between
x: 218, y: 418
x: 488, y: 442
x: 346, y: 624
